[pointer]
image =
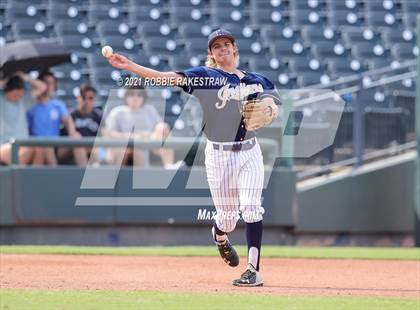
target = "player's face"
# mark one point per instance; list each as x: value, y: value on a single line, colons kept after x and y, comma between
x: 223, y: 50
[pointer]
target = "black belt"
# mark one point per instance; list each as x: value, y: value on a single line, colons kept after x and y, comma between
x: 246, y: 145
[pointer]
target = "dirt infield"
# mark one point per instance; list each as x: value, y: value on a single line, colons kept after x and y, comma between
x: 209, y: 274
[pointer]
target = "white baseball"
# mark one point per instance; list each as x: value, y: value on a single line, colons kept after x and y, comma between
x: 107, y: 51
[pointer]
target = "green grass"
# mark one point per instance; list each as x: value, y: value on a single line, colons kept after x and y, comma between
x: 267, y: 251
x: 41, y: 299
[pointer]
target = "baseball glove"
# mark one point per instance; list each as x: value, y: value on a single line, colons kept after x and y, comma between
x: 258, y: 113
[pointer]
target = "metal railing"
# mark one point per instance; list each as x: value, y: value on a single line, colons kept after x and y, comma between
x: 358, y: 85
x: 269, y: 146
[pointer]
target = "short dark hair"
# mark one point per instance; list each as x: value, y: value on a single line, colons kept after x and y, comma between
x: 138, y: 91
x: 85, y: 88
x: 46, y: 73
x: 15, y: 82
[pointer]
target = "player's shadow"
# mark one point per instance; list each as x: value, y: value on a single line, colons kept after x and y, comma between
x: 329, y: 288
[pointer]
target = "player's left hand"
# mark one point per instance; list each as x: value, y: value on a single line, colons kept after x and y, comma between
x: 259, y: 113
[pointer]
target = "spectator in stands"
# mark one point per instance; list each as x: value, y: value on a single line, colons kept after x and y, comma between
x: 44, y: 119
x: 87, y: 119
x: 140, y: 121
x: 15, y: 98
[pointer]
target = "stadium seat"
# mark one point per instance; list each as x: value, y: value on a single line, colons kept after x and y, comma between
x: 301, y: 66
x: 98, y: 14
x: 382, y: 6
x: 124, y: 44
x: 77, y: 3
x: 410, y: 6
x: 269, y: 16
x: 6, y: 34
x: 229, y: 4
x: 382, y: 19
x: 72, y: 27
x: 345, y: 6
x: 69, y: 75
x: 182, y: 62
x: 378, y: 63
x: 392, y: 36
x: 329, y: 50
x: 314, y: 5
x: 226, y: 15
x: 141, y: 14
x: 105, y: 76
x: 341, y: 67
x: 152, y: 29
x: 315, y: 34
x: 105, y: 3
x: 196, y: 46
x: 153, y: 61
x: 179, y: 15
x: 405, y: 51
x: 30, y: 29
x: 61, y: 12
x: 241, y: 32
x: 78, y: 43
x: 340, y: 18
x: 369, y: 50
x: 272, y: 33
x: 194, y: 30
x: 162, y: 48
x: 283, y: 80
x: 409, y: 20
x: 258, y: 64
x: 309, y: 78
x: 113, y: 28
x: 16, y: 11
x: 356, y: 35
x: 187, y: 4
x: 255, y: 5
x: 286, y: 49
x: 249, y: 47
x: 307, y: 17
x: 96, y: 60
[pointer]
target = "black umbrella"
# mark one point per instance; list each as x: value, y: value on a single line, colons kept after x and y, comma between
x: 31, y: 55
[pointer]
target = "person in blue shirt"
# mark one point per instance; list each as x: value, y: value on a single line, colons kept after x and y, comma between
x: 233, y: 157
x: 44, y: 119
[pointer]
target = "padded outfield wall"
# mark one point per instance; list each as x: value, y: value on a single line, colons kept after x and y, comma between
x: 38, y: 206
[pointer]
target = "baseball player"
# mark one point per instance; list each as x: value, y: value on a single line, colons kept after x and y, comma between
x: 234, y: 164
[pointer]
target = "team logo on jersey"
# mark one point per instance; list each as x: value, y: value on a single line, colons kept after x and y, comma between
x: 240, y: 92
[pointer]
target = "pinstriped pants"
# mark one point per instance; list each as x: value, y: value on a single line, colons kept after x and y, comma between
x: 236, y: 181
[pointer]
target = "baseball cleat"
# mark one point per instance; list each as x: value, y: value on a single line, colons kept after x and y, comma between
x: 250, y: 277
x: 227, y: 252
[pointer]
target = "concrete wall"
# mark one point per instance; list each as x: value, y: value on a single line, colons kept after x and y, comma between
x: 45, y: 195
x: 375, y: 198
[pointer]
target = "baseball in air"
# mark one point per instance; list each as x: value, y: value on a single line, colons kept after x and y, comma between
x: 107, y: 51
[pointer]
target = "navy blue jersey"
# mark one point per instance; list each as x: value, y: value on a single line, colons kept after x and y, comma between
x: 221, y: 102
